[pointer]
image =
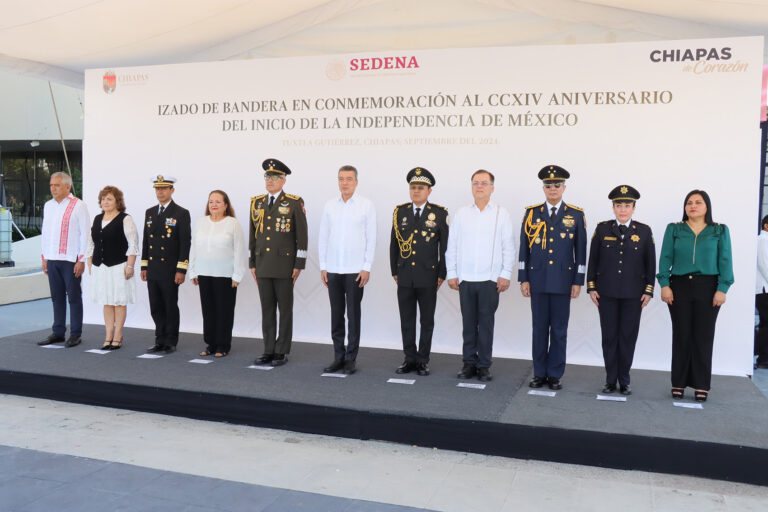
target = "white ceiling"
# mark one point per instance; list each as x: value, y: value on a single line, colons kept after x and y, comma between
x: 58, y: 39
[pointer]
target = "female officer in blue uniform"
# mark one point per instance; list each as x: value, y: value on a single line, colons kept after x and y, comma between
x: 620, y: 277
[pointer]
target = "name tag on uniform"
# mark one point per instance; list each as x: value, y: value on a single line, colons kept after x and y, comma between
x: 610, y: 238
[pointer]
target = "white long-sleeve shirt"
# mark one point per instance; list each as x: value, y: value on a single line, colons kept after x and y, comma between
x: 217, y: 250
x: 347, y: 239
x: 66, y: 229
x: 481, y: 244
x: 761, y: 285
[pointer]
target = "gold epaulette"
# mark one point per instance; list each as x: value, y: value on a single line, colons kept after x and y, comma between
x: 291, y: 196
x: 574, y: 207
x: 534, y: 206
x: 256, y: 198
x: 438, y: 206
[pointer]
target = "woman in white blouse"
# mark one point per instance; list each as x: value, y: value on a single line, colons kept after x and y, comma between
x: 217, y: 265
x: 112, y: 249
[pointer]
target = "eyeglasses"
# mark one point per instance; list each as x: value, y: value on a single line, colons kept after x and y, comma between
x: 550, y: 185
x: 480, y: 183
x: 272, y: 177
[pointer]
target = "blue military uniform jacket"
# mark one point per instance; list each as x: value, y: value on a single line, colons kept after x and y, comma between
x: 553, y: 253
x: 622, y: 268
x: 417, y: 250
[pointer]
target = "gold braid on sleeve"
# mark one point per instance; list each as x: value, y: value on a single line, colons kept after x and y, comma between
x: 532, y: 231
x: 257, y: 216
x: 405, y: 245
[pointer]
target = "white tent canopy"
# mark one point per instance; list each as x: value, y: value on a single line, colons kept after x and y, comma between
x: 59, y: 39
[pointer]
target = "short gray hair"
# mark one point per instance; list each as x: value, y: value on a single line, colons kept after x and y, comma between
x: 348, y: 168
x: 66, y: 179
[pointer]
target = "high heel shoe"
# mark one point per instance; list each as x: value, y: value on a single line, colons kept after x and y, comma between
x: 107, y: 345
x: 677, y: 393
x: 116, y: 344
x: 700, y: 395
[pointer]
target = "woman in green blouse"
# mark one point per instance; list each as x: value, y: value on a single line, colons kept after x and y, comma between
x: 695, y: 272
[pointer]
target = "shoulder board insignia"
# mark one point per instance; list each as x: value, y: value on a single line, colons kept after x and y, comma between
x: 438, y: 206
x: 403, y: 205
x: 256, y: 198
x: 534, y: 206
x: 291, y: 196
x: 607, y: 222
x: 574, y: 207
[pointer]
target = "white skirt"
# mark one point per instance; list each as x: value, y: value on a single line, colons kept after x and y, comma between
x: 109, y: 286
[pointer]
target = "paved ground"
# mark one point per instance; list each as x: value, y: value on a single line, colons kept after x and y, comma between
x: 59, y: 457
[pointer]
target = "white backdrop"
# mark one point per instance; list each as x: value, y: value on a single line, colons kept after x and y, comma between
x: 696, y: 128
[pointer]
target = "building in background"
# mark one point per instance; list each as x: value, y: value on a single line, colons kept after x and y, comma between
x: 30, y: 143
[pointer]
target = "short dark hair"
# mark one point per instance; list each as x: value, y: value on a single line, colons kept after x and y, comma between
x: 230, y: 211
x: 348, y: 168
x: 707, y: 201
x: 489, y: 173
x: 116, y: 193
x: 765, y: 221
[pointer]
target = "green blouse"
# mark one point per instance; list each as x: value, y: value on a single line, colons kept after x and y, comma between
x: 708, y: 253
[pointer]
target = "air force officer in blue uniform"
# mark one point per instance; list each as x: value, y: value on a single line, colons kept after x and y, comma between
x: 620, y: 277
x: 551, y: 268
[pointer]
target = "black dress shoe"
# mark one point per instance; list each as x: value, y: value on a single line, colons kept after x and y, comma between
x: 406, y: 367
x: 609, y: 388
x: 423, y: 369
x: 155, y: 348
x: 264, y: 359
x: 279, y: 360
x: 169, y: 349
x: 625, y: 390
x: 335, y: 366
x: 72, y: 341
x: 467, y: 372
x: 52, y: 338
x: 349, y: 367
x: 537, y: 382
x: 554, y: 383
x: 484, y: 374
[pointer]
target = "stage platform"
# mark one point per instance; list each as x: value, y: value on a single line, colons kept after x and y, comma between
x: 726, y: 439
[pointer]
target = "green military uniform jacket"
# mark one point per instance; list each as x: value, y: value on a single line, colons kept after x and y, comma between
x: 277, y: 236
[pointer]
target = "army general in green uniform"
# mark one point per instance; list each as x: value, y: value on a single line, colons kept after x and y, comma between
x: 278, y: 254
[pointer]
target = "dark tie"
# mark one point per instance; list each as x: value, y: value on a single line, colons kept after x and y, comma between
x: 271, y: 201
x: 162, y: 209
x: 418, y: 214
x: 622, y: 230
x: 554, y: 212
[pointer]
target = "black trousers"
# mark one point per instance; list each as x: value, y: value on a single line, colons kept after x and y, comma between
x: 345, y: 295
x: 693, y: 330
x: 164, y: 306
x: 761, y: 336
x: 407, y: 300
x: 619, y: 323
x: 276, y: 294
x: 217, y: 300
x: 479, y: 301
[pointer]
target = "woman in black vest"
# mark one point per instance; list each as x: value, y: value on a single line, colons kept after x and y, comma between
x: 112, y: 251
